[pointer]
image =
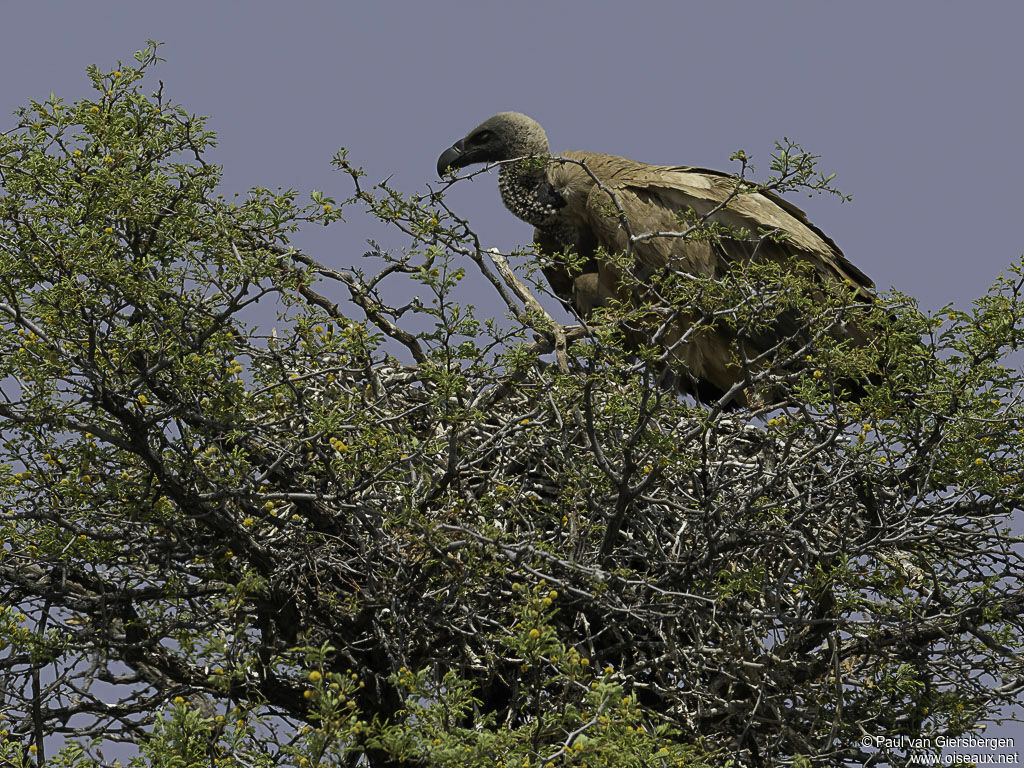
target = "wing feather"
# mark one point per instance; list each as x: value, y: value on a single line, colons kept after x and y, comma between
x: 653, y: 197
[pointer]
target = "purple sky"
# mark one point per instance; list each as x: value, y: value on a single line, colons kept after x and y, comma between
x: 916, y: 105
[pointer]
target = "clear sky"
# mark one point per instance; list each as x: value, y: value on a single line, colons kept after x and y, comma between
x: 916, y: 105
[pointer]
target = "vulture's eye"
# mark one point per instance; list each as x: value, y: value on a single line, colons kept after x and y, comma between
x: 481, y: 137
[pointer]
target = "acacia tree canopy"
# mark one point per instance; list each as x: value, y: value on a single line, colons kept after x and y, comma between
x: 433, y: 535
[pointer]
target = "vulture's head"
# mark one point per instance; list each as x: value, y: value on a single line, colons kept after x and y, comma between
x: 503, y: 137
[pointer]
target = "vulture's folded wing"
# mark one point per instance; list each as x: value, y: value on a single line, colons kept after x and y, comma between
x: 654, y: 199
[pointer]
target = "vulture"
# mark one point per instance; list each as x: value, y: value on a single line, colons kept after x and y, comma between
x: 591, y: 204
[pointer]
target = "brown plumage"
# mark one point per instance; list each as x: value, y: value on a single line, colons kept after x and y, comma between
x: 571, y: 206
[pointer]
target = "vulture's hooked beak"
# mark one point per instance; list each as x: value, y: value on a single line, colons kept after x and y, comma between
x: 455, y: 157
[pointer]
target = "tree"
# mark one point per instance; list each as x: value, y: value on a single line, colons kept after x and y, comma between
x: 428, y: 537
